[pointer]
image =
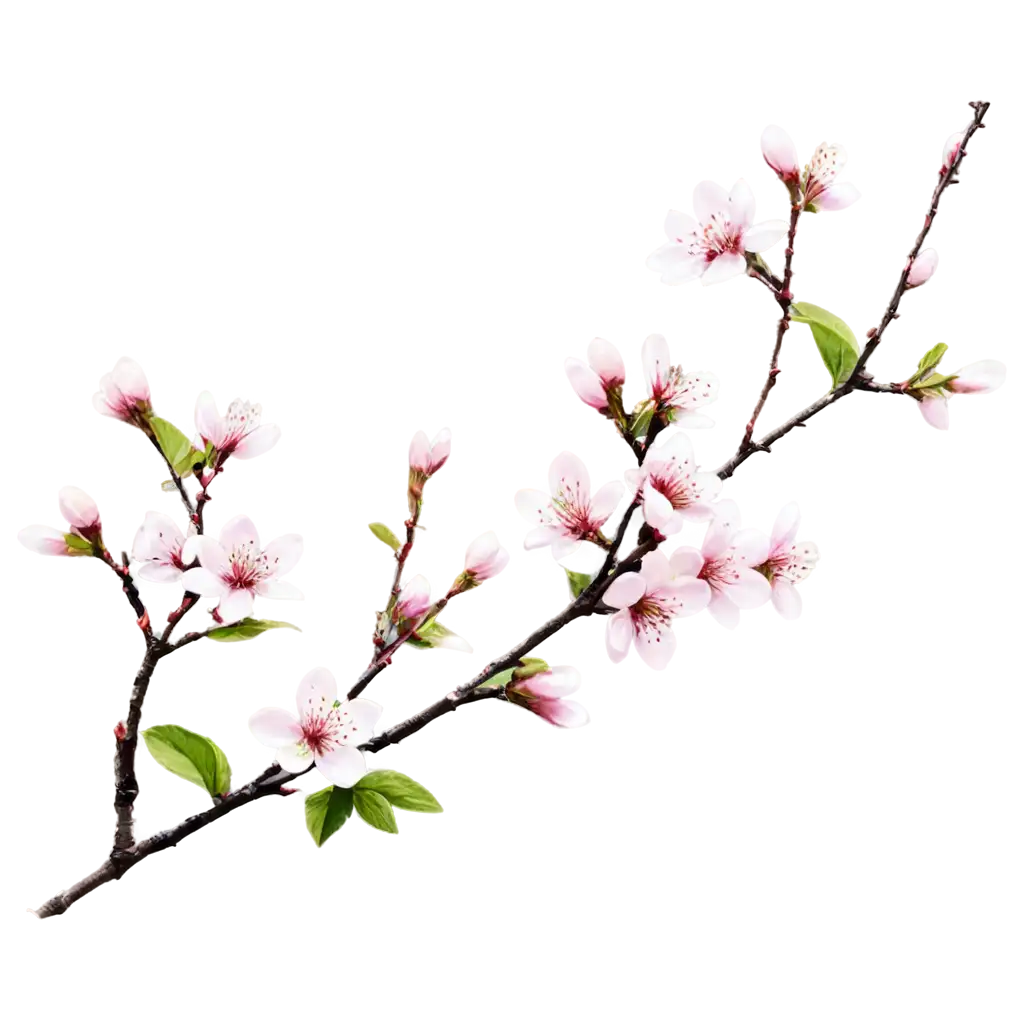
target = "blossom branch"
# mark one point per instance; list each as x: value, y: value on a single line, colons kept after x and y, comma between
x: 947, y: 177
x: 784, y: 297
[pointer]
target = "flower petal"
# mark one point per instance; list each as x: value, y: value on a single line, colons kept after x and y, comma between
x: 786, y: 599
x: 625, y: 590
x: 294, y: 757
x: 278, y: 590
x: 779, y: 152
x: 281, y: 555
x: 935, y: 411
x: 656, y: 361
x: 749, y: 589
x: 723, y: 611
x: 724, y: 268
x: 606, y: 501
x: 534, y: 505
x: 686, y: 562
x: 787, y: 522
x: 344, y: 766
x: 203, y: 582
x: 239, y: 532
x: 764, y: 235
x: 656, y: 646
x: 559, y: 681
x: 235, y: 605
x: 258, y: 441
x: 709, y: 199
x: 618, y: 635
x: 837, y: 197
x: 209, y: 424
x: 977, y: 378
x: 275, y: 727
x: 541, y: 537
x: 43, y: 540
x: 359, y: 717
x: 318, y: 689
x: 566, y: 714
x: 568, y: 475
x: 741, y: 204
x: 679, y: 226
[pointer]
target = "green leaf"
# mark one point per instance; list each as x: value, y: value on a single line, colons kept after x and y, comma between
x: 326, y: 811
x: 400, y: 790
x: 381, y: 532
x: 640, y: 421
x: 498, y: 681
x: 836, y: 342
x: 930, y: 358
x: 177, y: 448
x: 76, y: 543
x: 246, y: 629
x: 578, y: 581
x: 936, y: 380
x: 428, y: 635
x: 374, y: 810
x: 529, y: 667
x: 190, y: 756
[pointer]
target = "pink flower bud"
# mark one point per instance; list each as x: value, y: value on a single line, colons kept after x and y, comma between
x: 543, y: 694
x: 413, y: 602
x: 780, y: 153
x: 79, y: 510
x: 935, y: 411
x: 44, y: 540
x: 922, y: 268
x: 485, y: 557
x: 606, y: 362
x: 427, y: 457
x: 951, y: 150
x: 124, y: 393
x: 976, y: 379
x: 586, y: 384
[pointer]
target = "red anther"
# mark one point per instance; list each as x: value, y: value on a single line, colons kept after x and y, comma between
x: 144, y: 621
x: 120, y: 731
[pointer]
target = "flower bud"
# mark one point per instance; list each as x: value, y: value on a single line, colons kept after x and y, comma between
x: 485, y: 557
x: 79, y: 510
x: 779, y: 153
x: 124, y: 394
x: 412, y: 604
x: 429, y: 451
x: 543, y: 693
x: 978, y: 378
x: 922, y: 268
x: 951, y: 150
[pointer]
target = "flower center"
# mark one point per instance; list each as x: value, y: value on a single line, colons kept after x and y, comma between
x: 571, y: 508
x: 719, y: 235
x: 247, y: 567
x: 326, y: 729
x: 822, y: 170
x: 242, y: 418
x: 718, y: 573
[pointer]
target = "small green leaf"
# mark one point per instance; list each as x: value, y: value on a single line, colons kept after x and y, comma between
x: 374, y: 810
x: 246, y: 629
x: 190, y: 756
x: 930, y: 358
x: 428, y: 635
x: 529, y: 667
x: 381, y: 532
x: 177, y: 448
x: 836, y: 342
x: 326, y: 811
x: 936, y: 380
x: 498, y: 681
x: 640, y: 421
x: 578, y: 581
x: 76, y: 543
x: 400, y: 790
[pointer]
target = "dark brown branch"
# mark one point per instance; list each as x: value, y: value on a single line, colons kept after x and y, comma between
x: 175, y: 479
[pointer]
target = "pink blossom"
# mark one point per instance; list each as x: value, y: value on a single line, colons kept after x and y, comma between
x: 568, y: 515
x: 80, y: 508
x: 647, y: 601
x: 124, y: 393
x: 671, y: 488
x: 42, y: 540
x: 239, y: 432
x: 787, y: 562
x: 83, y: 518
x: 235, y: 569
x: 162, y: 549
x: 922, y: 268
x: 725, y: 563
x: 673, y: 392
x: 821, y: 192
x: 412, y: 604
x: 975, y: 379
x: 485, y: 557
x: 713, y: 246
x: 605, y: 374
x: 326, y: 733
x: 544, y: 694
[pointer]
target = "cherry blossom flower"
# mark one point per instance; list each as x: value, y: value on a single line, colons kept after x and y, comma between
x: 43, y: 540
x: 83, y: 518
x: 569, y: 515
x: 80, y: 508
x: 601, y: 382
x: 412, y: 604
x: 162, y: 549
x: 427, y: 457
x: 671, y: 488
x: 124, y: 393
x: 673, y: 392
x: 239, y: 432
x: 647, y: 601
x: 326, y: 733
x: 725, y: 564
x: 544, y: 694
x: 484, y: 555
x: 922, y: 268
x: 788, y: 562
x: 235, y: 569
x: 821, y: 192
x: 780, y: 154
x: 713, y: 246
